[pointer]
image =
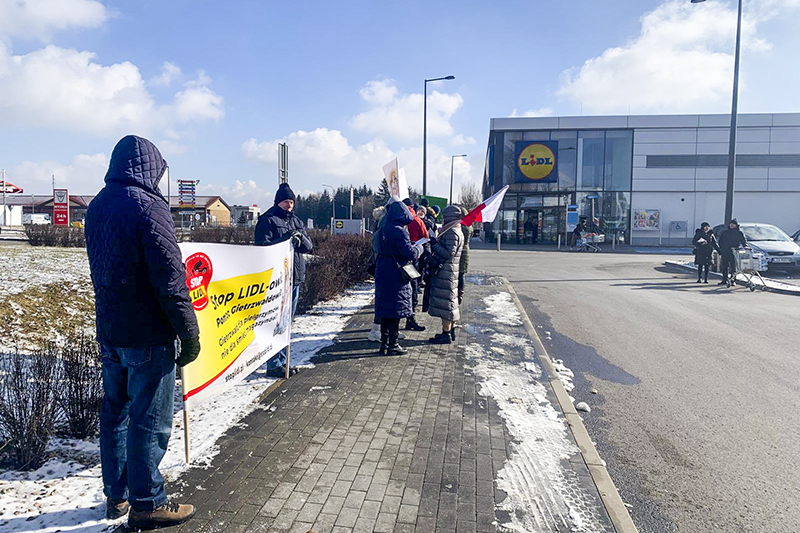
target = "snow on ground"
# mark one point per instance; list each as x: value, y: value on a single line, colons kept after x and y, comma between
x: 66, y: 493
x: 26, y: 267
x: 502, y: 307
x: 544, y: 493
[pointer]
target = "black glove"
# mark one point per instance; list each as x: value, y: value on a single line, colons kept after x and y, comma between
x: 190, y: 348
x: 297, y: 239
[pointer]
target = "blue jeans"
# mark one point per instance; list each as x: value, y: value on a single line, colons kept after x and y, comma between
x: 279, y: 359
x: 136, y: 422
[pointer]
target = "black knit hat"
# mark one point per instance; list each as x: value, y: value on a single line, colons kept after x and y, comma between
x: 284, y: 193
x: 424, y: 202
x: 734, y: 221
x: 408, y: 202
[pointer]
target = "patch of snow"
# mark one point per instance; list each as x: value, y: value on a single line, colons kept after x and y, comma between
x: 25, y: 267
x: 316, y: 329
x: 501, y: 307
x: 543, y: 493
x: 66, y: 494
x: 312, y: 389
x: 565, y: 375
x: 583, y: 406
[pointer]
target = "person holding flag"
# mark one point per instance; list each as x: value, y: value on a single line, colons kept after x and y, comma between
x: 446, y: 253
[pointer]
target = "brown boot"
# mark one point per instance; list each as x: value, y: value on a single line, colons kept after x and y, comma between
x: 116, y: 508
x: 169, y: 514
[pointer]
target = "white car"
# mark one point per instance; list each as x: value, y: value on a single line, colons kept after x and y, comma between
x: 781, y: 251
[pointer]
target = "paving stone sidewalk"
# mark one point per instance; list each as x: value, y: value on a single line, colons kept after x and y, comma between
x: 364, y: 443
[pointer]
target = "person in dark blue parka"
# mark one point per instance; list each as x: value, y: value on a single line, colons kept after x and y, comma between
x: 392, y: 291
x: 280, y: 224
x: 142, y: 305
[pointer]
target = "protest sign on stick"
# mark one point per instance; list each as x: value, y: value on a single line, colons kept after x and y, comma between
x: 242, y: 297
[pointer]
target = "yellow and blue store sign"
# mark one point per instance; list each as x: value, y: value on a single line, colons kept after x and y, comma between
x: 536, y: 162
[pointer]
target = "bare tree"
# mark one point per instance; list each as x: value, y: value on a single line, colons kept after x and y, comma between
x: 470, y: 197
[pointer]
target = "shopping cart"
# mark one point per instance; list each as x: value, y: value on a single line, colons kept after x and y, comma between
x: 750, y: 265
x: 589, y: 242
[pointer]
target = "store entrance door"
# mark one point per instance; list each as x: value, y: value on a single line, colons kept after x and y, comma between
x: 530, y: 226
x: 553, y: 220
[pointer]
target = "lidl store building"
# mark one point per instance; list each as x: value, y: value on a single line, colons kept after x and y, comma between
x: 644, y: 180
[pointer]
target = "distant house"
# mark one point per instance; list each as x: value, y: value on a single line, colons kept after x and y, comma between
x: 245, y: 215
x: 208, y: 211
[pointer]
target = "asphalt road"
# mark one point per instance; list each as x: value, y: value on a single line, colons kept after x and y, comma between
x: 697, y: 411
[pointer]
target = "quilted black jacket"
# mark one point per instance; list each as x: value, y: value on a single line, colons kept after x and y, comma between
x: 277, y: 225
x: 139, y: 280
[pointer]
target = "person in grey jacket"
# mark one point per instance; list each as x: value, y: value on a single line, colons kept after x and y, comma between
x: 444, y: 282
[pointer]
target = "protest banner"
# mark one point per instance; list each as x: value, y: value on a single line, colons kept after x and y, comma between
x: 392, y: 174
x: 242, y: 298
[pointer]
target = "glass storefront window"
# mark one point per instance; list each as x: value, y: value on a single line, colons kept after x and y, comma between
x: 536, y: 136
x: 616, y: 215
x: 618, y: 160
x: 591, y: 155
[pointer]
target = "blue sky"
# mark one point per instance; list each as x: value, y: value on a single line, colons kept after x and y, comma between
x: 217, y: 85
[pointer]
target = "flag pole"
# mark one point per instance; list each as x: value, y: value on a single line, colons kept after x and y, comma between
x: 185, y: 417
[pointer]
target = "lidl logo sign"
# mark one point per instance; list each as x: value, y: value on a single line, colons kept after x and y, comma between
x: 536, y: 162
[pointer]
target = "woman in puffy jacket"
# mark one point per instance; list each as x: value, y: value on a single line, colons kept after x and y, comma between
x: 444, y: 282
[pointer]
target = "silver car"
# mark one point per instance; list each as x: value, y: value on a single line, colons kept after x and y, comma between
x: 781, y: 251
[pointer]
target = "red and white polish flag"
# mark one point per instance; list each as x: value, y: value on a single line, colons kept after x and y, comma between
x: 487, y: 210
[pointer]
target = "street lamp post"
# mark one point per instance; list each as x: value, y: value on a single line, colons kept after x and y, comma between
x: 734, y: 106
x: 425, y: 133
x: 452, y: 160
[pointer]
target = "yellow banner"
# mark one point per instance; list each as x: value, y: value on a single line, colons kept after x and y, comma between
x: 242, y: 299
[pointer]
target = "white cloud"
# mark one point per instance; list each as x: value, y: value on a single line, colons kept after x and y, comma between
x: 541, y: 112
x: 169, y: 73
x: 168, y: 147
x: 399, y: 116
x: 324, y: 153
x: 461, y: 140
x: 38, y: 19
x: 680, y: 62
x: 239, y: 193
x: 84, y: 175
x: 327, y: 156
x: 66, y: 89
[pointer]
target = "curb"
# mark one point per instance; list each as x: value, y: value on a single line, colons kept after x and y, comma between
x: 615, y: 507
x: 687, y: 268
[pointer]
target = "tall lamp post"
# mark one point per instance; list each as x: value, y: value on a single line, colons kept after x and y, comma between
x: 452, y: 160
x: 734, y: 106
x: 425, y: 134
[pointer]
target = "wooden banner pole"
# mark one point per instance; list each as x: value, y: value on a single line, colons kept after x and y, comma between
x: 185, y: 418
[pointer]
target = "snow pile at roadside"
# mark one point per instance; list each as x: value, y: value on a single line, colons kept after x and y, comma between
x: 66, y: 494
x: 502, y: 307
x: 543, y: 493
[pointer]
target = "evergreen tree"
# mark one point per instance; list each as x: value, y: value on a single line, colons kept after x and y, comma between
x: 383, y: 194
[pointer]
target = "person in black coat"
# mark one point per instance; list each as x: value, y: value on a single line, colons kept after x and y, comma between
x: 280, y: 224
x: 392, y: 290
x: 731, y: 239
x: 142, y: 306
x: 705, y: 242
